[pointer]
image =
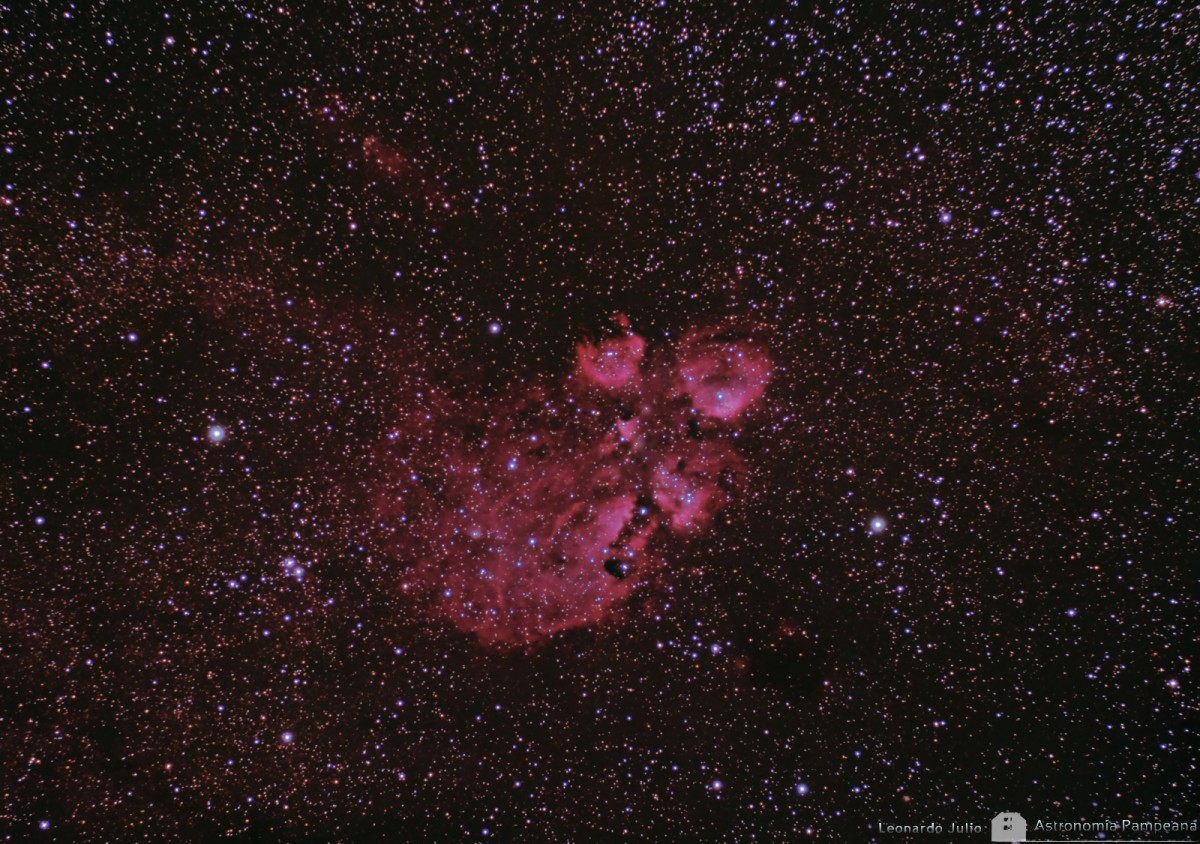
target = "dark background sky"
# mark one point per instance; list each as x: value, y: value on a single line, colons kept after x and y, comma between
x: 967, y: 235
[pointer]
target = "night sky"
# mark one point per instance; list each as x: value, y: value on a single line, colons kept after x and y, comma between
x: 659, y: 421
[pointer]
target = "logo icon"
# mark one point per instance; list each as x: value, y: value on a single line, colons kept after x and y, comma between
x: 1008, y: 827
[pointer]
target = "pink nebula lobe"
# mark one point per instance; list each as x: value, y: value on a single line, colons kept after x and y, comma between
x: 612, y: 363
x: 721, y: 378
x: 565, y: 505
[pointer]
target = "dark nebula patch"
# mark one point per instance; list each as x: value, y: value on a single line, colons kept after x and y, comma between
x: 617, y: 568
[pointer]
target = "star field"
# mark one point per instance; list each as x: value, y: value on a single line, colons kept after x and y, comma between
x: 652, y: 421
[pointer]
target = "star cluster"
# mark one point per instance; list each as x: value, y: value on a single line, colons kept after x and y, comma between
x: 652, y: 420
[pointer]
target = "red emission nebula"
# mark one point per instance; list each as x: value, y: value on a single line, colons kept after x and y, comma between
x: 544, y: 510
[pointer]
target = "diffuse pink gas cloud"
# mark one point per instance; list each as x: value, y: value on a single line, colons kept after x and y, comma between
x: 551, y: 507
